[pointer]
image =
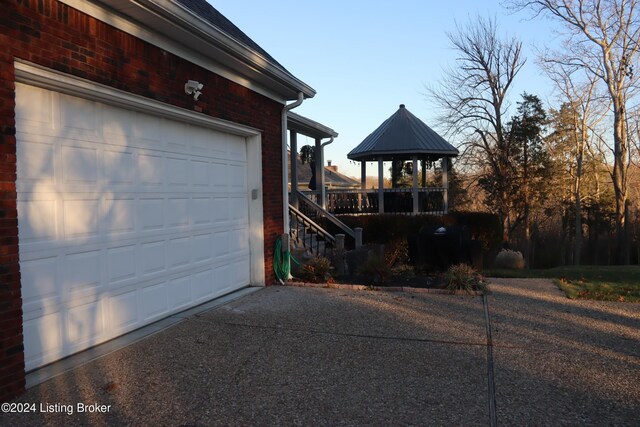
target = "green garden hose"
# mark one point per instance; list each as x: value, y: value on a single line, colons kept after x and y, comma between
x: 281, y: 262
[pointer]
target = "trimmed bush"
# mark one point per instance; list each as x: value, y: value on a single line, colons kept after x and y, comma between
x: 509, y: 260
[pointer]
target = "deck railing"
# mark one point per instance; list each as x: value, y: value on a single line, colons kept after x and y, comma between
x: 396, y: 201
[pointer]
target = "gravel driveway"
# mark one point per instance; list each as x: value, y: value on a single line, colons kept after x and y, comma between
x: 525, y: 355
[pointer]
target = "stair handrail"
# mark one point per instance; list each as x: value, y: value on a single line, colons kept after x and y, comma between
x: 323, y: 213
x: 317, y: 228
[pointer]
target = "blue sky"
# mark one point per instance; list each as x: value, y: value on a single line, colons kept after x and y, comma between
x: 364, y: 58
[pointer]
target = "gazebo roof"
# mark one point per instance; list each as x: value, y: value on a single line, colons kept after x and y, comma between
x: 402, y: 135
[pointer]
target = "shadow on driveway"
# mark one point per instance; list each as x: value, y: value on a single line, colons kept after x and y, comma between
x: 308, y: 356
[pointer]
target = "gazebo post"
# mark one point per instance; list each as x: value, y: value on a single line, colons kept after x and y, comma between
x: 380, y: 185
x: 363, y: 184
x: 416, y: 205
x: 293, y: 141
x: 445, y: 184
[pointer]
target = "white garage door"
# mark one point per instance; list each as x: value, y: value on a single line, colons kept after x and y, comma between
x: 124, y: 218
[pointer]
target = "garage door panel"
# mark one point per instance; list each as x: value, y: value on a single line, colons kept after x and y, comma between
x: 124, y: 310
x: 117, y: 125
x: 81, y: 218
x: 200, y: 174
x: 179, y: 292
x: 201, y: 248
x: 238, y: 176
x: 154, y: 301
x: 123, y: 219
x: 240, y: 271
x: 202, y: 285
x: 152, y: 257
x: 151, y: 169
x: 122, y: 263
x: 119, y: 216
x: 151, y: 214
x: 173, y: 136
x: 177, y: 212
x: 179, y: 252
x: 239, y: 209
x: 85, y: 325
x: 37, y: 219
x: 79, y: 165
x: 38, y: 165
x: 41, y: 274
x: 43, y: 341
x: 119, y: 167
x: 34, y: 107
x: 178, y: 172
x: 201, y: 208
x: 81, y: 273
x: 147, y: 130
x: 78, y: 117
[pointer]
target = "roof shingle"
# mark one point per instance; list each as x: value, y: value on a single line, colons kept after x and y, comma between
x: 402, y: 135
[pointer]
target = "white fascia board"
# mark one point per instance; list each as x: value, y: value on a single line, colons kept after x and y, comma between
x: 134, y: 18
x: 192, y: 21
x: 308, y: 127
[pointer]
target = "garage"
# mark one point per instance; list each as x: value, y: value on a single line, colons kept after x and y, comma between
x: 127, y: 213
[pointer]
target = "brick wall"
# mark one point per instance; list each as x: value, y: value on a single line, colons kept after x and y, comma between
x: 56, y: 36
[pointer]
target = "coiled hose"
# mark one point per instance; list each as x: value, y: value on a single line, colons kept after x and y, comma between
x: 281, y: 262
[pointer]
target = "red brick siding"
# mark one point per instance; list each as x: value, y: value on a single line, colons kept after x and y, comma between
x: 56, y: 36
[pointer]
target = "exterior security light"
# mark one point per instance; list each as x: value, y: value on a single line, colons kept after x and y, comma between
x: 194, y: 88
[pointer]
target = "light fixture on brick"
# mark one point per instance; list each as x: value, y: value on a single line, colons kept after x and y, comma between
x: 194, y: 88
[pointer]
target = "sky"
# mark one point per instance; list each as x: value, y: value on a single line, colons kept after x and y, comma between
x: 366, y: 57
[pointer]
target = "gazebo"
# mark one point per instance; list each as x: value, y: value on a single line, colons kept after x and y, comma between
x: 403, y: 137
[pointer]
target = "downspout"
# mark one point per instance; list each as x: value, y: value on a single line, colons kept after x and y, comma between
x: 323, y: 191
x: 285, y: 172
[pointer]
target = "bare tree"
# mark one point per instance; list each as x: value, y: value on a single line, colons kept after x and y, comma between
x: 603, y: 39
x: 473, y: 99
x: 579, y: 93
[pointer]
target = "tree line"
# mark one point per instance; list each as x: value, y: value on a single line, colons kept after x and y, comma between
x: 568, y: 174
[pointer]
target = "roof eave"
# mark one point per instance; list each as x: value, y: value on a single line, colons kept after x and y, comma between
x: 195, y: 33
x: 388, y: 155
x: 309, y: 127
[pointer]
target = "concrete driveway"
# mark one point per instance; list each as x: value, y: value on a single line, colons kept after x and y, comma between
x: 525, y: 355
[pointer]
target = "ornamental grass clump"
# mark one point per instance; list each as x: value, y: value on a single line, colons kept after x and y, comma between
x: 462, y: 277
x: 318, y: 270
x: 509, y: 260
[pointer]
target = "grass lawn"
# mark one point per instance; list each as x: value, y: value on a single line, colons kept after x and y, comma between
x: 607, y: 283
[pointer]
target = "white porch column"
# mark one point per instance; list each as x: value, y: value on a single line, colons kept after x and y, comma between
x: 380, y: 185
x: 445, y: 184
x: 320, y: 174
x: 416, y: 207
x: 293, y: 146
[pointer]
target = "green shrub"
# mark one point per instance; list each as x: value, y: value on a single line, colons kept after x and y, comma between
x: 396, y: 253
x: 388, y: 228
x: 317, y: 270
x: 375, y: 270
x: 461, y: 277
x: 509, y: 260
